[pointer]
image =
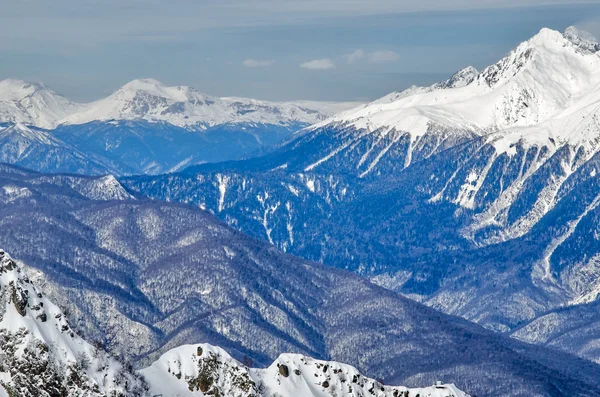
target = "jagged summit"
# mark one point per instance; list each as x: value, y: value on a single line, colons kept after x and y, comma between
x: 188, y: 369
x: 582, y: 39
x: 459, y: 79
x: 539, y: 79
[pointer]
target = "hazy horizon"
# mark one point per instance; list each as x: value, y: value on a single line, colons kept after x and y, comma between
x: 265, y: 49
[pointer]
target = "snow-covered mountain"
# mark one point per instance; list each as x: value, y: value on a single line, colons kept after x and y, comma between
x: 193, y: 370
x: 144, y: 127
x: 477, y: 195
x: 42, y: 355
x: 145, y: 277
x: 33, y: 104
x: 183, y: 106
x: 148, y: 99
x: 539, y: 79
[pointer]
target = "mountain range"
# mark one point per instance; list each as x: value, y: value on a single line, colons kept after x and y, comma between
x: 477, y: 196
x: 143, y: 277
x: 442, y: 233
x: 144, y: 127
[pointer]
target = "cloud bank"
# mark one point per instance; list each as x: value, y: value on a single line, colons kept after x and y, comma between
x: 355, y: 56
x: 318, y: 64
x: 253, y: 63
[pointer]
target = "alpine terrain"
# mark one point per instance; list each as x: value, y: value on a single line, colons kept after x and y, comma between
x: 191, y: 368
x: 477, y: 196
x: 144, y: 277
x: 43, y: 356
x: 144, y: 127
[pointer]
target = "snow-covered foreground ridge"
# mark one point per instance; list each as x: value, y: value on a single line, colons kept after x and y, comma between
x: 42, y: 355
x: 148, y: 99
x: 196, y: 370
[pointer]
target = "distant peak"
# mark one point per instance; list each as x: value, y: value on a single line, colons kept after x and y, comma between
x: 142, y: 84
x: 22, y: 85
x: 582, y: 39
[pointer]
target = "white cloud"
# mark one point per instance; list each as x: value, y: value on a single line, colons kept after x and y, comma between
x: 253, y: 63
x: 383, y: 56
x: 355, y: 56
x: 319, y: 64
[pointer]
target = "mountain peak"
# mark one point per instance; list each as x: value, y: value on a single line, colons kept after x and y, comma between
x: 459, y: 79
x: 15, y: 89
x: 32, y: 104
x: 572, y: 35
x: 152, y: 87
x: 582, y: 39
x: 142, y: 84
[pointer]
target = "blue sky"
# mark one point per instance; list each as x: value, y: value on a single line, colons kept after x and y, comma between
x: 269, y: 49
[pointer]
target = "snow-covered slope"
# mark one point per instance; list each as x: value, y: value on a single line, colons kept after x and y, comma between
x: 144, y: 127
x: 33, y: 104
x: 42, y: 355
x: 196, y: 370
x: 539, y: 79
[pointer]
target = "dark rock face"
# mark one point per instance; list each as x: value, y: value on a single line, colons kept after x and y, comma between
x: 284, y: 370
x: 19, y: 299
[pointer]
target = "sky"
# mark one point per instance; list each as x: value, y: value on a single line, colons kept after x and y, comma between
x: 268, y: 49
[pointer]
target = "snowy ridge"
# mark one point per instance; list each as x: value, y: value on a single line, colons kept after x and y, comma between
x: 524, y: 88
x: 196, y: 370
x: 150, y: 100
x: 183, y: 106
x: 41, y: 351
x: 27, y: 136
